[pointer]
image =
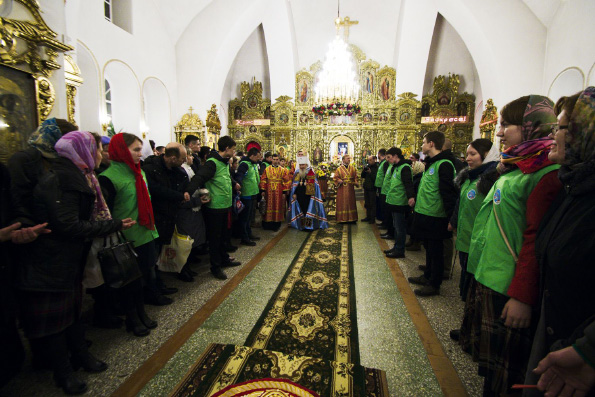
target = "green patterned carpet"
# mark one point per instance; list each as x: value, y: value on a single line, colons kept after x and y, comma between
x: 307, y: 333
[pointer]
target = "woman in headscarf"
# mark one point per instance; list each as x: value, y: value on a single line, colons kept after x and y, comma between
x: 125, y: 190
x: 502, y: 250
x: 564, y: 248
x: 69, y: 199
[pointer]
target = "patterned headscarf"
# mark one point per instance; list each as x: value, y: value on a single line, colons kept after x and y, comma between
x: 118, y: 151
x: 581, y: 130
x: 80, y: 147
x: 531, y: 154
x: 45, y: 137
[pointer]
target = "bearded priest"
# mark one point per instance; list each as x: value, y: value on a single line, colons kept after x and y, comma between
x: 275, y: 183
x: 346, y: 180
x: 307, y: 210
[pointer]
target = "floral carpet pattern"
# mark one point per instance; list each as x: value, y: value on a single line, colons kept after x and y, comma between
x: 307, y: 333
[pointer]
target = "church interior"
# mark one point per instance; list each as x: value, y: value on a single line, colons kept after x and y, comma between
x: 266, y: 73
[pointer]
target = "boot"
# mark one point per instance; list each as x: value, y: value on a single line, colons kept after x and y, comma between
x: 80, y: 355
x: 134, y: 325
x: 142, y: 314
x: 56, y: 350
x: 89, y: 363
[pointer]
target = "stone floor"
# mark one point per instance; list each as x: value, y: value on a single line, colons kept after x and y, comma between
x: 388, y: 339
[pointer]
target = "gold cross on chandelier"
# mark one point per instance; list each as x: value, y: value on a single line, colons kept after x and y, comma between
x: 345, y: 23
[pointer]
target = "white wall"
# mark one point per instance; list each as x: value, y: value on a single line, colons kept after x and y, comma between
x: 126, y: 97
x: 570, y: 44
x: 89, y: 94
x: 157, y: 111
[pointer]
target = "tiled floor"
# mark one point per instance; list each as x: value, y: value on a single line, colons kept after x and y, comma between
x: 387, y: 337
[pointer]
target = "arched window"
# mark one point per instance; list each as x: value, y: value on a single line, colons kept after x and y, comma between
x: 108, y: 99
x: 107, y: 9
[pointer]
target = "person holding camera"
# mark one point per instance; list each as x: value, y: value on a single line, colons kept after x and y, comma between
x: 369, y: 177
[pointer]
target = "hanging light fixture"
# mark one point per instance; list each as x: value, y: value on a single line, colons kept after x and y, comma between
x: 338, y: 81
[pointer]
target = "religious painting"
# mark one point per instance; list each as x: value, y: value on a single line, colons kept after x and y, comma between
x: 303, y: 118
x: 367, y: 118
x: 442, y: 128
x: 317, y: 155
x: 405, y: 116
x: 318, y: 118
x: 253, y: 129
x: 385, y: 87
x: 383, y: 118
x: 18, y: 110
x: 342, y: 148
x: 462, y: 109
x: 366, y: 152
x: 282, y: 151
x: 252, y: 102
x: 267, y: 112
x: 237, y: 113
x: 239, y: 134
x: 267, y: 134
x: 304, y: 91
x: 369, y: 82
x: 425, y: 110
x: 443, y: 99
x: 284, y: 118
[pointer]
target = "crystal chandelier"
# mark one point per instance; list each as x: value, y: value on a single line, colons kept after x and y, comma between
x: 337, y: 81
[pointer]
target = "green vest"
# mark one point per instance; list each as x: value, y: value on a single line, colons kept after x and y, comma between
x: 396, y: 194
x: 379, y: 175
x: 386, y: 181
x: 429, y: 201
x: 219, y: 186
x: 251, y: 180
x: 492, y: 264
x: 126, y: 202
x: 469, y: 204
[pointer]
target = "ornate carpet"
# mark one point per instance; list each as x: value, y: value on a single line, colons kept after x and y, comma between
x: 307, y: 333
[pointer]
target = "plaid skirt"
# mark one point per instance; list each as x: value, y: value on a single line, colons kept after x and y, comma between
x: 502, y: 352
x: 48, y: 313
x: 471, y: 326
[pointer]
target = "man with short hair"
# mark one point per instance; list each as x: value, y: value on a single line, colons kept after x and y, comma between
x: 346, y: 180
x: 215, y: 176
x: 248, y: 176
x: 268, y: 159
x: 159, y: 150
x: 369, y: 176
x: 387, y: 222
x: 433, y: 208
x: 193, y: 143
x: 382, y: 167
x: 275, y: 186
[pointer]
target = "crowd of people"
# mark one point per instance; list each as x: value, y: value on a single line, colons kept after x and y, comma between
x: 521, y: 218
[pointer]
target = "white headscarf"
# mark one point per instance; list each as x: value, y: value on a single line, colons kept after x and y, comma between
x: 494, y: 153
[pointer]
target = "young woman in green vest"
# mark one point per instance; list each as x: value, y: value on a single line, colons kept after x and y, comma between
x: 248, y: 176
x: 125, y: 190
x: 501, y: 310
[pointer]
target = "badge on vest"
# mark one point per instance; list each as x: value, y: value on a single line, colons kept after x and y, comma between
x: 497, y: 196
x: 431, y: 172
x: 471, y: 194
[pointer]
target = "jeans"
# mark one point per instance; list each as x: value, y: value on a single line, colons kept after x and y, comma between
x: 400, y: 225
x: 245, y: 217
x: 217, y: 236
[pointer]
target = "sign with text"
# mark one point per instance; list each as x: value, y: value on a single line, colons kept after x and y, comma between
x: 444, y: 120
x: 253, y: 122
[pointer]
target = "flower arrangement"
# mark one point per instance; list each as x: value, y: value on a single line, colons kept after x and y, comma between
x: 337, y: 109
x: 322, y: 171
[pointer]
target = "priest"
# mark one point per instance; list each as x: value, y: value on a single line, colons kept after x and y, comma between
x: 346, y: 180
x: 274, y: 183
x: 307, y: 211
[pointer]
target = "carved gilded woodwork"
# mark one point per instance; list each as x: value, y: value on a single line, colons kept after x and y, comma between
x: 447, y: 106
x: 31, y: 46
x: 249, y: 117
x: 72, y: 74
x: 489, y: 120
x: 190, y: 124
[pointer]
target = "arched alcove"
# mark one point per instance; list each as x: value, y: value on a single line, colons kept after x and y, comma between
x: 591, y: 79
x: 126, y: 99
x: 89, y: 104
x: 157, y: 111
x: 567, y: 82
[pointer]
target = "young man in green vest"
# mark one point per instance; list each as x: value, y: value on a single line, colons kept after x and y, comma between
x: 387, y: 218
x: 382, y: 166
x: 248, y: 176
x: 215, y: 176
x: 435, y: 203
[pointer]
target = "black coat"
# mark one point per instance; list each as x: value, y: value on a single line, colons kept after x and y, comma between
x: 564, y: 249
x: 369, y: 177
x: 167, y: 188
x: 55, y: 261
x: 431, y: 227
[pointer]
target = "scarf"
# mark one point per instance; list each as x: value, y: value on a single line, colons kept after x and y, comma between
x: 80, y: 147
x: 531, y: 154
x: 118, y: 151
x: 45, y: 137
x: 579, y: 160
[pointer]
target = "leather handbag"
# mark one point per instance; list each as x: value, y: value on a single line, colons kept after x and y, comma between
x: 118, y: 261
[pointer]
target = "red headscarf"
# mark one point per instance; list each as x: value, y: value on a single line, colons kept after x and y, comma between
x: 118, y: 151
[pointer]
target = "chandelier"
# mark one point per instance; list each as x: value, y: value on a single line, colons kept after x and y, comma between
x: 338, y: 81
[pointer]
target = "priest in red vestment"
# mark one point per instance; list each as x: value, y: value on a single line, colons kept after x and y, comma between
x: 346, y: 180
x: 275, y: 181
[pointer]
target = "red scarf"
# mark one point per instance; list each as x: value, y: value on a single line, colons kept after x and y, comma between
x: 118, y: 151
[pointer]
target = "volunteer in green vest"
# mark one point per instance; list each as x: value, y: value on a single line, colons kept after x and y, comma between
x: 215, y: 177
x: 247, y: 175
x: 435, y: 203
x: 382, y: 166
x: 124, y: 188
x: 474, y: 182
x: 399, y: 200
x: 387, y: 218
x: 502, y: 251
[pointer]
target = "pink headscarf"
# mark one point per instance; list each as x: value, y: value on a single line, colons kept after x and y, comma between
x: 80, y: 147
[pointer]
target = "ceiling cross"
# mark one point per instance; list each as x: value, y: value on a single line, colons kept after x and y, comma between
x: 345, y: 23
x: 190, y: 109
